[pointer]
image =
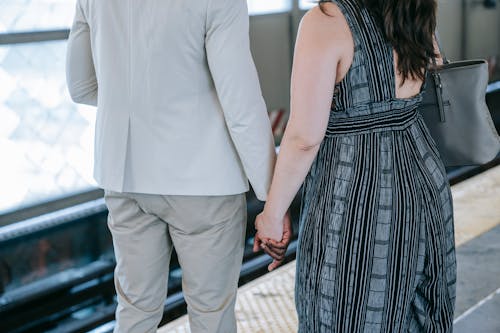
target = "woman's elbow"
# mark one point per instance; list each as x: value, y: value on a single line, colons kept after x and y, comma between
x: 308, y: 147
x: 306, y: 144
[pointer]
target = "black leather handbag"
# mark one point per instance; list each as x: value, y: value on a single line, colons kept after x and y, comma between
x: 455, y: 112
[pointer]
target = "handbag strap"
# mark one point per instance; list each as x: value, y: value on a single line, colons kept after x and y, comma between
x: 436, y: 78
x: 440, y: 48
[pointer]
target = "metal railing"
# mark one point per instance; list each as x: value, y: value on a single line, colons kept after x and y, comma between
x: 33, y: 36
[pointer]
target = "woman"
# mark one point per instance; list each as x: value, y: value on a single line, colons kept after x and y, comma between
x: 376, y: 245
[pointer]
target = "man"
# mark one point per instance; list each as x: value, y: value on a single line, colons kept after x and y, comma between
x: 181, y: 126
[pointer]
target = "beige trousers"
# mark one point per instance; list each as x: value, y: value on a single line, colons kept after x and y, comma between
x: 208, y: 233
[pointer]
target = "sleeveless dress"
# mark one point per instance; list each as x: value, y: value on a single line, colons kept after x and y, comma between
x: 376, y: 239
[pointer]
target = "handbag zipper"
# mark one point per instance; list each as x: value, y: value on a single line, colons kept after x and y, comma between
x: 439, y: 95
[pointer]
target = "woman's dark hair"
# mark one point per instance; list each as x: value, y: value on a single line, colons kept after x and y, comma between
x: 409, y: 26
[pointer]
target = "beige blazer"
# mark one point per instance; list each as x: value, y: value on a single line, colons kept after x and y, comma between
x: 179, y: 106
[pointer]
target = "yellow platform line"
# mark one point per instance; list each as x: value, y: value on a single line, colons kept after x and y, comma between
x: 476, y: 205
x: 266, y: 305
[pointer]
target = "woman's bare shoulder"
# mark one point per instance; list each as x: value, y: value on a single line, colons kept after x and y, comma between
x: 327, y: 26
x: 328, y: 11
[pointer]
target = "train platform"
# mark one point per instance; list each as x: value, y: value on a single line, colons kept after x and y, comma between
x: 267, y: 303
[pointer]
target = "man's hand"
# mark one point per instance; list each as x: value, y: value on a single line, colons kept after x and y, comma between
x: 273, y: 248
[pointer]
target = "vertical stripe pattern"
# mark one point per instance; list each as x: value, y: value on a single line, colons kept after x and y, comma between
x: 376, y: 241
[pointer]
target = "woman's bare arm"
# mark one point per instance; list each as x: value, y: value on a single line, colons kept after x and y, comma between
x: 320, y: 46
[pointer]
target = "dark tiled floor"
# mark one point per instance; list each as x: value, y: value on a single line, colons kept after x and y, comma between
x: 485, y: 318
x: 478, y: 279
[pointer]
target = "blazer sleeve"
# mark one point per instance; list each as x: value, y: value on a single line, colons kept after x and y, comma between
x: 235, y: 77
x: 80, y: 71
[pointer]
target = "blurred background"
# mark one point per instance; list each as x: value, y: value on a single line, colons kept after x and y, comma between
x: 56, y: 258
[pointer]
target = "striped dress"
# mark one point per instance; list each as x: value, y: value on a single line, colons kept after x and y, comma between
x: 376, y: 240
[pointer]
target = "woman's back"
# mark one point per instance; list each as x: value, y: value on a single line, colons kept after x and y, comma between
x: 372, y: 75
x: 376, y: 248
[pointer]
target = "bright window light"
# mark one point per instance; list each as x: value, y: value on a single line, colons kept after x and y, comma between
x: 30, y: 15
x: 256, y: 7
x: 307, y: 4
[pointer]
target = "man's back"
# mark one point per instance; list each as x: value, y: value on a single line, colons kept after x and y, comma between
x: 181, y: 124
x: 179, y: 103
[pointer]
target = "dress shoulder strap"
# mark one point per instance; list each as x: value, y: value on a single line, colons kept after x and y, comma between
x: 371, y: 77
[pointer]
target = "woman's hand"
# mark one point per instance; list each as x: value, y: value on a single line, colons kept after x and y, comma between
x: 268, y: 228
x: 277, y: 250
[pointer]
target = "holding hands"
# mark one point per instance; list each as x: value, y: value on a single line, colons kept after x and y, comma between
x: 273, y: 237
